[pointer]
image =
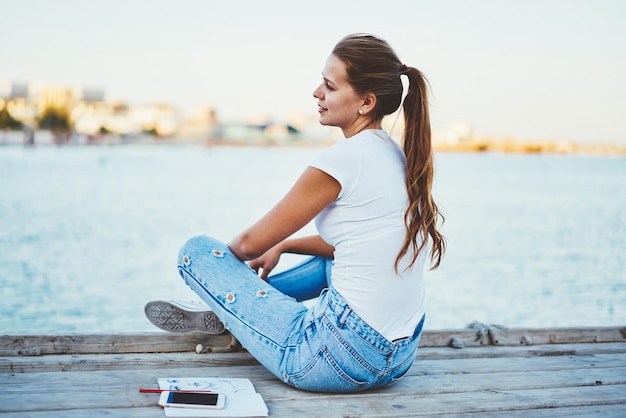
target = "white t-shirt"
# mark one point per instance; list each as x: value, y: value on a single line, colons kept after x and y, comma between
x: 365, y: 224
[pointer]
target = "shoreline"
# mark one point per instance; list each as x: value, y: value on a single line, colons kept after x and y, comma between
x: 471, y: 145
x: 534, y: 147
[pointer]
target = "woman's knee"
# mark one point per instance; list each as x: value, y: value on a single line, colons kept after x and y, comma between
x: 193, y: 251
x: 206, y: 258
x: 199, y: 246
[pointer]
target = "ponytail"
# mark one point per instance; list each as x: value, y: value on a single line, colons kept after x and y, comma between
x: 422, y: 214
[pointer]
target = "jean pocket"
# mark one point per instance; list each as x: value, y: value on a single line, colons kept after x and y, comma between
x: 324, y: 374
x: 399, y: 376
x: 403, y: 368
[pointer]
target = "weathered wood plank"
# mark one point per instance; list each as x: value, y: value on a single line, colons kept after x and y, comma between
x: 149, y: 412
x: 516, y: 337
x: 594, y: 411
x: 176, y: 342
x: 35, y: 345
x: 224, y: 363
x: 449, y: 403
x: 517, y: 364
x: 445, y: 353
x: 457, y: 338
x: 92, y: 362
x: 451, y: 358
x: 423, y: 365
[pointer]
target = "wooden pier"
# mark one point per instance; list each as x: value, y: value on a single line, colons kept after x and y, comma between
x: 478, y: 372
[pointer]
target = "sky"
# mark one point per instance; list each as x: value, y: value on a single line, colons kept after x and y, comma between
x: 533, y: 69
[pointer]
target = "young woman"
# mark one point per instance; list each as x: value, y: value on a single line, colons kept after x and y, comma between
x: 372, y: 205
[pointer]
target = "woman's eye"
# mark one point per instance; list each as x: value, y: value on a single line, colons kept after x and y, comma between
x: 328, y: 86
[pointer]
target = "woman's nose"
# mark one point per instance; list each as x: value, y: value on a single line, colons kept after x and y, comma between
x: 317, y: 93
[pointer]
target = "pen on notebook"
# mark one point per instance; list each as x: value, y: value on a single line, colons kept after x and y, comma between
x: 144, y: 390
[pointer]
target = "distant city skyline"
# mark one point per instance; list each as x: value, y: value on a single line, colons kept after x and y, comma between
x: 534, y: 69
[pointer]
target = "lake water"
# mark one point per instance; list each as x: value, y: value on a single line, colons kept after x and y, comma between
x: 88, y: 235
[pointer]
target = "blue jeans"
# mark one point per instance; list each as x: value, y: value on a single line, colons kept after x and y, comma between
x: 325, y: 348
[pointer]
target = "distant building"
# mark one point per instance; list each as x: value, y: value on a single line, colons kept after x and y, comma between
x: 13, y: 90
x: 199, y: 125
x: 454, y: 134
x: 16, y: 97
x: 86, y: 109
x: 92, y: 95
x: 264, y: 133
x: 159, y: 119
x: 60, y: 99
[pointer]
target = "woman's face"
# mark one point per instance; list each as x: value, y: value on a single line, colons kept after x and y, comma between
x: 338, y: 103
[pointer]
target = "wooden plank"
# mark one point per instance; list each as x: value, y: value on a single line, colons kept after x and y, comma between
x: 478, y: 334
x: 35, y: 345
x: 485, y: 351
x: 420, y: 367
x: 456, y: 338
x: 89, y: 362
x: 515, y: 364
x: 448, y: 357
x: 445, y: 353
x: 148, y: 412
x: 127, y: 380
x: 175, y: 342
x: 594, y: 411
x: 433, y: 384
x: 449, y: 403
x: 515, y: 337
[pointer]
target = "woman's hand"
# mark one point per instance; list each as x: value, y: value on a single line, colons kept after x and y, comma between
x: 312, y: 245
x: 266, y: 262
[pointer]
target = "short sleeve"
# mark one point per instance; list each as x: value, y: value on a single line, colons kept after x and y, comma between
x: 341, y: 161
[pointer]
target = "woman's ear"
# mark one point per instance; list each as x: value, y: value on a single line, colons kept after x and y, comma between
x: 369, y: 102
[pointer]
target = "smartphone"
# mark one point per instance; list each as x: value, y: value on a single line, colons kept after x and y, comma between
x: 196, y: 400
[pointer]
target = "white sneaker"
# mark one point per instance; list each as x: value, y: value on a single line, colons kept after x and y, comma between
x: 181, y: 316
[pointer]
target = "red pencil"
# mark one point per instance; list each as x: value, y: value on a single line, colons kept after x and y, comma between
x: 143, y: 390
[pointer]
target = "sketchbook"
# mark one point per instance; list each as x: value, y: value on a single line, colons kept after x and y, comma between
x: 242, y: 400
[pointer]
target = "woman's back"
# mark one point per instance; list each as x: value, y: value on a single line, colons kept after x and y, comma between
x: 366, y: 226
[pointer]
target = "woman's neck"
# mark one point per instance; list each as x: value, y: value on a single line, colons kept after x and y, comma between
x: 361, y: 126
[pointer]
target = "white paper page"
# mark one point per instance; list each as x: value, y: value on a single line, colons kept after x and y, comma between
x: 214, y: 384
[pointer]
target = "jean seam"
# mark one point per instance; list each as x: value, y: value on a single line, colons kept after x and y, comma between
x: 355, y: 354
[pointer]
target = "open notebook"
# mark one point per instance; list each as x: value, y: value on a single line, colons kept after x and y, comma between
x: 242, y: 400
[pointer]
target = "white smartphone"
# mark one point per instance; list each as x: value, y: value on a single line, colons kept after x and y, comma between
x: 198, y: 400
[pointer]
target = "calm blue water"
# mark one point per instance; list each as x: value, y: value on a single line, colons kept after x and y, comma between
x: 88, y: 235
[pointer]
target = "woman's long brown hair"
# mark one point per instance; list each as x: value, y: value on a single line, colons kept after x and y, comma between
x: 373, y: 66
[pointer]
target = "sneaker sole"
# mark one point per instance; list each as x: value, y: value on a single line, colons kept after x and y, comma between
x: 169, y: 317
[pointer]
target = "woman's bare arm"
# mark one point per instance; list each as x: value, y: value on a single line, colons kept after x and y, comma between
x: 311, y: 193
